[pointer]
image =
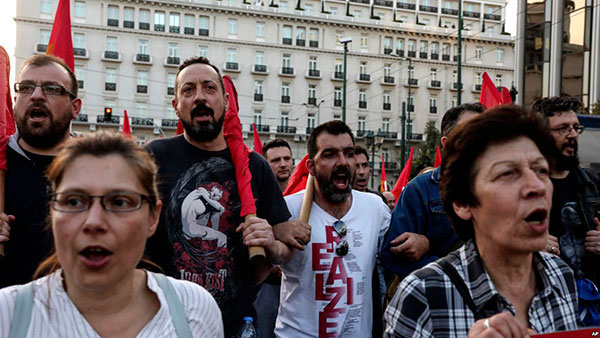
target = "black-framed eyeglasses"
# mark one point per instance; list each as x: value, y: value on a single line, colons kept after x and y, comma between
x: 53, y: 89
x: 116, y: 201
x: 565, y: 130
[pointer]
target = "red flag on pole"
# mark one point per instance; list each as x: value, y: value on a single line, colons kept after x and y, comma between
x: 403, y: 178
x: 7, y: 123
x: 257, y: 143
x: 179, y: 127
x: 126, y: 128
x: 438, y: 157
x: 505, y: 96
x: 298, y: 178
x: 61, y: 44
x: 489, y: 93
x: 383, y: 186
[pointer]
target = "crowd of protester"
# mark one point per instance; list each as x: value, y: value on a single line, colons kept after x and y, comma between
x: 105, y: 238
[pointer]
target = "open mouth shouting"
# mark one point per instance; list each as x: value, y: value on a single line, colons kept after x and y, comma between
x: 341, y: 178
x: 202, y: 113
x: 537, y: 220
x: 95, y: 256
x: 37, y: 113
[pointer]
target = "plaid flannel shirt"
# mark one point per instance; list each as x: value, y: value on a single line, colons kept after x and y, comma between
x: 427, y: 303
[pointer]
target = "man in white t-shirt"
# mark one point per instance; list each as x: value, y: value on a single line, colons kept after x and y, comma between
x: 326, y: 288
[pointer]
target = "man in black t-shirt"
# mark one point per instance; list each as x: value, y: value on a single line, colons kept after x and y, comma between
x: 199, y: 237
x: 574, y: 224
x: 45, y: 103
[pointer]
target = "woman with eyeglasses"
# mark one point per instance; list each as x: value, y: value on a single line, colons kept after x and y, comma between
x: 104, y: 206
x: 496, y: 190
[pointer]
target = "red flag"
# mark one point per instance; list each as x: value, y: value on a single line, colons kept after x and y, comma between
x: 232, y: 131
x: 179, y: 127
x: 505, y: 96
x: 257, y: 142
x: 61, y: 44
x: 298, y: 179
x: 126, y: 127
x: 383, y: 186
x: 403, y: 178
x: 438, y: 157
x: 7, y: 123
x: 489, y: 93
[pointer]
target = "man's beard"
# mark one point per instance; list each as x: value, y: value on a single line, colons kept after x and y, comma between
x: 39, y: 136
x: 328, y: 188
x: 204, y: 131
x: 567, y: 162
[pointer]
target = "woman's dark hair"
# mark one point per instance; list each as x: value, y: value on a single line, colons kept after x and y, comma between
x: 100, y: 144
x: 468, y: 141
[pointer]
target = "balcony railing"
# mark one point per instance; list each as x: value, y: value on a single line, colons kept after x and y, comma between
x: 362, y: 104
x: 260, y: 68
x: 492, y: 17
x: 159, y: 28
x: 81, y: 118
x: 429, y: 9
x: 405, y: 6
x: 110, y: 86
x: 364, y: 77
x: 202, y: 31
x: 446, y: 57
x: 362, y: 132
x: 412, y: 53
x: 108, y: 54
x: 168, y: 123
x: 287, y: 70
x: 386, y: 3
x: 454, y: 86
x: 286, y: 41
x: 314, y: 73
x: 338, y: 75
x: 413, y: 82
x: 142, y: 121
x: 170, y: 91
x: 455, y: 58
x: 142, y: 89
x: 313, y: 43
x: 232, y: 65
x: 144, y: 25
x: 41, y: 48
x: 309, y: 130
x: 410, y: 107
x: 79, y: 51
x: 435, y: 56
x: 387, y: 51
x: 258, y: 97
x: 432, y: 110
x: 188, y: 30
x: 361, y: 1
x: 312, y: 100
x: 450, y: 11
x: 128, y: 24
x: 112, y: 120
x: 435, y: 84
x: 469, y: 14
x: 285, y: 99
x: 173, y: 60
x: 80, y: 84
x: 142, y: 57
x: 173, y: 29
x: 113, y: 22
x: 400, y: 52
x: 300, y: 42
x: 261, y: 128
x: 286, y: 130
x: 423, y: 55
x: 392, y: 135
x: 337, y: 103
x: 476, y: 87
x: 389, y: 79
x: 415, y: 137
x: 387, y: 106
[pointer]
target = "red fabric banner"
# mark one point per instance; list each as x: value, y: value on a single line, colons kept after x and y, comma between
x: 257, y: 143
x: 126, y: 127
x: 489, y: 93
x: 383, y: 187
x: 438, y: 157
x: 61, y: 43
x: 7, y: 123
x: 179, y: 127
x: 404, y: 176
x: 505, y: 96
x: 298, y: 178
x: 232, y: 130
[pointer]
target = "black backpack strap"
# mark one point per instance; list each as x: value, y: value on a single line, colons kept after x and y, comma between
x: 460, y: 285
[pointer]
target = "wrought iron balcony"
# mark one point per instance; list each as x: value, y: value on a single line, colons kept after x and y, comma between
x: 142, y: 121
x: 286, y: 41
x: 261, y: 128
x: 309, y: 130
x: 415, y: 137
x: 361, y: 1
x: 258, y: 97
x: 173, y: 29
x: 314, y: 73
x: 412, y: 53
x: 455, y: 58
x: 392, y: 135
x: 41, y: 48
x: 410, y: 107
x: 312, y: 100
x: 435, y: 56
x: 260, y: 68
x: 337, y: 103
x: 287, y: 70
x: 110, y: 86
x: 111, y: 55
x: 429, y: 9
x: 159, y: 28
x: 405, y: 6
x: 423, y: 55
x: 476, y: 87
x: 313, y: 43
x: 80, y: 84
x: 142, y: 89
x: 432, y: 110
x: 285, y: 99
x: 202, y: 31
x: 446, y: 57
x: 81, y: 118
x: 232, y: 65
x: 113, y: 22
x: 79, y: 51
x: 113, y: 119
x: 362, y: 132
x: 300, y: 42
x: 338, y: 75
x: 435, y: 84
x: 362, y: 104
x: 142, y: 57
x: 413, y: 82
x: 387, y: 106
x: 387, y: 51
x: 170, y: 91
x: 188, y: 30
x: 144, y: 25
x: 386, y: 3
x: 389, y: 79
x: 286, y: 130
x: 470, y: 14
x: 450, y: 11
x: 492, y: 17
x: 400, y: 52
x: 173, y: 60
x: 364, y: 77
x: 454, y: 86
x: 168, y: 123
x: 128, y: 24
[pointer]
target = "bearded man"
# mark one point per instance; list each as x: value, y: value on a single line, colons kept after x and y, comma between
x: 326, y: 290
x: 45, y: 103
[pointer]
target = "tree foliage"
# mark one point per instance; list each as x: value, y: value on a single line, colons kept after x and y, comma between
x: 424, y: 156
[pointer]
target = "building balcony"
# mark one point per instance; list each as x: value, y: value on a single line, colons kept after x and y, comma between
x: 41, y: 48
x: 143, y: 58
x: 435, y: 84
x: 309, y: 130
x: 142, y: 121
x: 366, y: 2
x: 286, y: 130
x: 388, y: 80
x: 113, y: 119
x: 260, y: 69
x: 410, y: 108
x: 169, y: 123
x: 449, y: 11
x: 144, y: 26
x: 261, y: 128
x: 402, y: 5
x: 454, y: 86
x: 446, y: 57
x: 412, y: 53
x: 81, y: 118
x: 313, y: 44
x: 287, y: 71
x: 455, y: 58
x: 411, y: 83
x: 387, y: 51
x: 258, y: 97
x: 429, y: 9
x: 142, y: 89
x: 80, y: 84
x: 389, y: 135
x: 423, y: 55
x: 80, y: 52
x: 469, y: 14
x: 492, y: 17
x: 363, y: 78
x: 337, y: 103
x: 387, y: 106
x: 415, y: 137
x: 434, y: 56
x: 128, y: 24
x: 313, y: 74
x: 202, y: 31
x: 174, y: 29
x: 300, y: 42
x: 385, y: 3
x: 110, y: 86
x: 285, y: 99
x: 312, y: 101
x: 286, y: 41
x: 170, y: 91
x: 113, y: 22
x: 362, y: 132
x: 337, y: 76
x: 188, y: 30
x: 362, y: 104
x: 232, y: 67
x: 476, y: 88
x: 159, y: 28
x: 400, y: 52
x: 172, y: 61
x: 111, y: 56
x: 432, y: 110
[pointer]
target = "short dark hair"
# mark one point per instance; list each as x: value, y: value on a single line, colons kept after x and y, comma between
x: 550, y: 106
x: 361, y: 150
x: 334, y: 127
x: 276, y: 143
x: 469, y: 141
x: 202, y: 60
x: 40, y: 60
x: 453, y: 114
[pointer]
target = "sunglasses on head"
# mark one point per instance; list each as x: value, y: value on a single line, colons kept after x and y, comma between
x: 342, y: 247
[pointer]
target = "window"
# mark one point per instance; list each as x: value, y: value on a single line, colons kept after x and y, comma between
x: 411, y: 100
x: 111, y: 75
x: 356, y: 13
x: 159, y: 21
x: 174, y: 20
x: 362, y: 123
x: 433, y: 74
x: 286, y: 34
x: 144, y: 16
x: 79, y: 40
x: 499, y: 80
x: 333, y: 10
x: 387, y: 45
x: 111, y: 44
x: 435, y: 48
x: 171, y: 81
x: 337, y: 95
x: 142, y: 78
x: 478, y: 78
x: 411, y: 72
x: 478, y: 52
x: 259, y: 58
x: 258, y: 117
x: 312, y: 63
x: 79, y: 74
x: 433, y: 101
x: 338, y: 36
x: 285, y: 89
x: 287, y: 62
x: 129, y: 14
x: 385, y: 127
x: 363, y: 67
x: 400, y: 45
x: 143, y: 47
x: 499, y: 55
x: 337, y: 117
x: 260, y: 29
x: 44, y: 37
x: 387, y: 70
x: 231, y: 55
x: 339, y: 65
x: 313, y: 34
x: 203, y: 51
x: 46, y: 7
x: 203, y: 22
x: 300, y: 36
x: 232, y: 26
x: 362, y: 95
x: 447, y: 4
x: 188, y: 21
x: 423, y: 47
x: 310, y: 123
x: 79, y: 9
x: 312, y: 91
x: 283, y: 4
x: 454, y: 76
x: 173, y: 49
x: 412, y: 45
x: 140, y: 109
x: 386, y: 100
x: 454, y: 101
x: 469, y: 7
x: 113, y: 13
x: 364, y: 40
x: 308, y: 8
x: 258, y: 87
x: 285, y: 119
x: 446, y: 49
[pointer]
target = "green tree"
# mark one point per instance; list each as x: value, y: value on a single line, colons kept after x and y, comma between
x: 424, y: 156
x: 595, y: 108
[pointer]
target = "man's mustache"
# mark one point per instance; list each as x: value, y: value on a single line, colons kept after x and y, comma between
x: 39, y: 107
x: 201, y: 110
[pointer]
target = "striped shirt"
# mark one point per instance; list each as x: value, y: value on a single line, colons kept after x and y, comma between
x: 55, y: 315
x: 427, y: 303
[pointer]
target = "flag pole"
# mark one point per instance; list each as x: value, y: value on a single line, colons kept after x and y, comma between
x: 307, y: 200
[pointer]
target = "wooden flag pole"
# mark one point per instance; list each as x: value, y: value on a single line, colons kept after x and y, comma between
x: 307, y: 200
x: 257, y: 253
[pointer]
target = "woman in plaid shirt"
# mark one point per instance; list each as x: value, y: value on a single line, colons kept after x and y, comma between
x: 497, y: 192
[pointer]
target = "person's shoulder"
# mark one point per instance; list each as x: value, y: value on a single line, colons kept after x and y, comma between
x: 257, y: 160
x: 163, y: 145
x: 554, y: 265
